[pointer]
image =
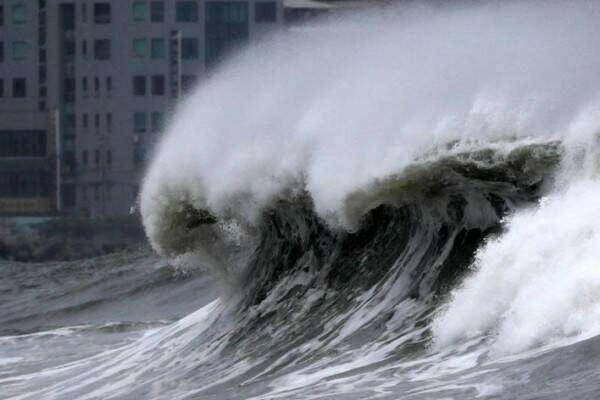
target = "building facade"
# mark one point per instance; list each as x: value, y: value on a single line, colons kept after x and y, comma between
x: 95, y: 81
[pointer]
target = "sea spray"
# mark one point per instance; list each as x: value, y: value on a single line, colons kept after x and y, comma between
x: 376, y: 94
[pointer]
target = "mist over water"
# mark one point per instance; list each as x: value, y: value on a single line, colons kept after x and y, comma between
x: 402, y: 203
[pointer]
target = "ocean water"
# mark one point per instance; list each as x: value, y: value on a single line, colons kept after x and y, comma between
x: 397, y: 204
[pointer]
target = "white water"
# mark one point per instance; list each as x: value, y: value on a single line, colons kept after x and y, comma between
x: 537, y: 282
x: 373, y: 94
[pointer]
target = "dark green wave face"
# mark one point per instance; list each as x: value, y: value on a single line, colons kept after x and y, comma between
x: 416, y: 237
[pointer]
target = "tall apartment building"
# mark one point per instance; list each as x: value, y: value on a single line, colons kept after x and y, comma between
x: 27, y: 164
x: 89, y: 83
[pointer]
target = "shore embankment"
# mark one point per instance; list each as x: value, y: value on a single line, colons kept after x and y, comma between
x: 64, y: 239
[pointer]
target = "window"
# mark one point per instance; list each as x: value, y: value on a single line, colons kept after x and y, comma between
x: 139, y: 122
x: 69, y: 48
x: 97, y: 161
x: 19, y: 13
x: 139, y: 11
x: 226, y: 27
x: 1, y: 51
x: 157, y: 11
x: 83, y: 12
x: 69, y: 90
x: 139, y: 156
x: 156, y: 121
x: 109, y: 122
x: 102, y: 13
x: 97, y: 187
x: 102, y: 49
x: 189, y: 48
x: 84, y: 86
x: 19, y: 87
x: 84, y: 49
x: 96, y: 86
x: 157, y: 48
x: 1, y: 87
x: 139, y: 85
x: 1, y: 15
x: 108, y: 157
x: 67, y: 17
x: 97, y: 121
x: 23, y: 143
x: 265, y: 11
x: 42, y: 74
x: 108, y: 86
x: 186, y: 11
x: 84, y: 158
x: 19, y: 50
x: 140, y: 47
x: 187, y: 82
x: 69, y: 125
x: 42, y: 36
x: 84, y: 121
x: 158, y: 85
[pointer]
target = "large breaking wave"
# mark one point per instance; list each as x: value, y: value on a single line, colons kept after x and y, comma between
x: 402, y: 202
x: 440, y: 120
x: 411, y: 179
